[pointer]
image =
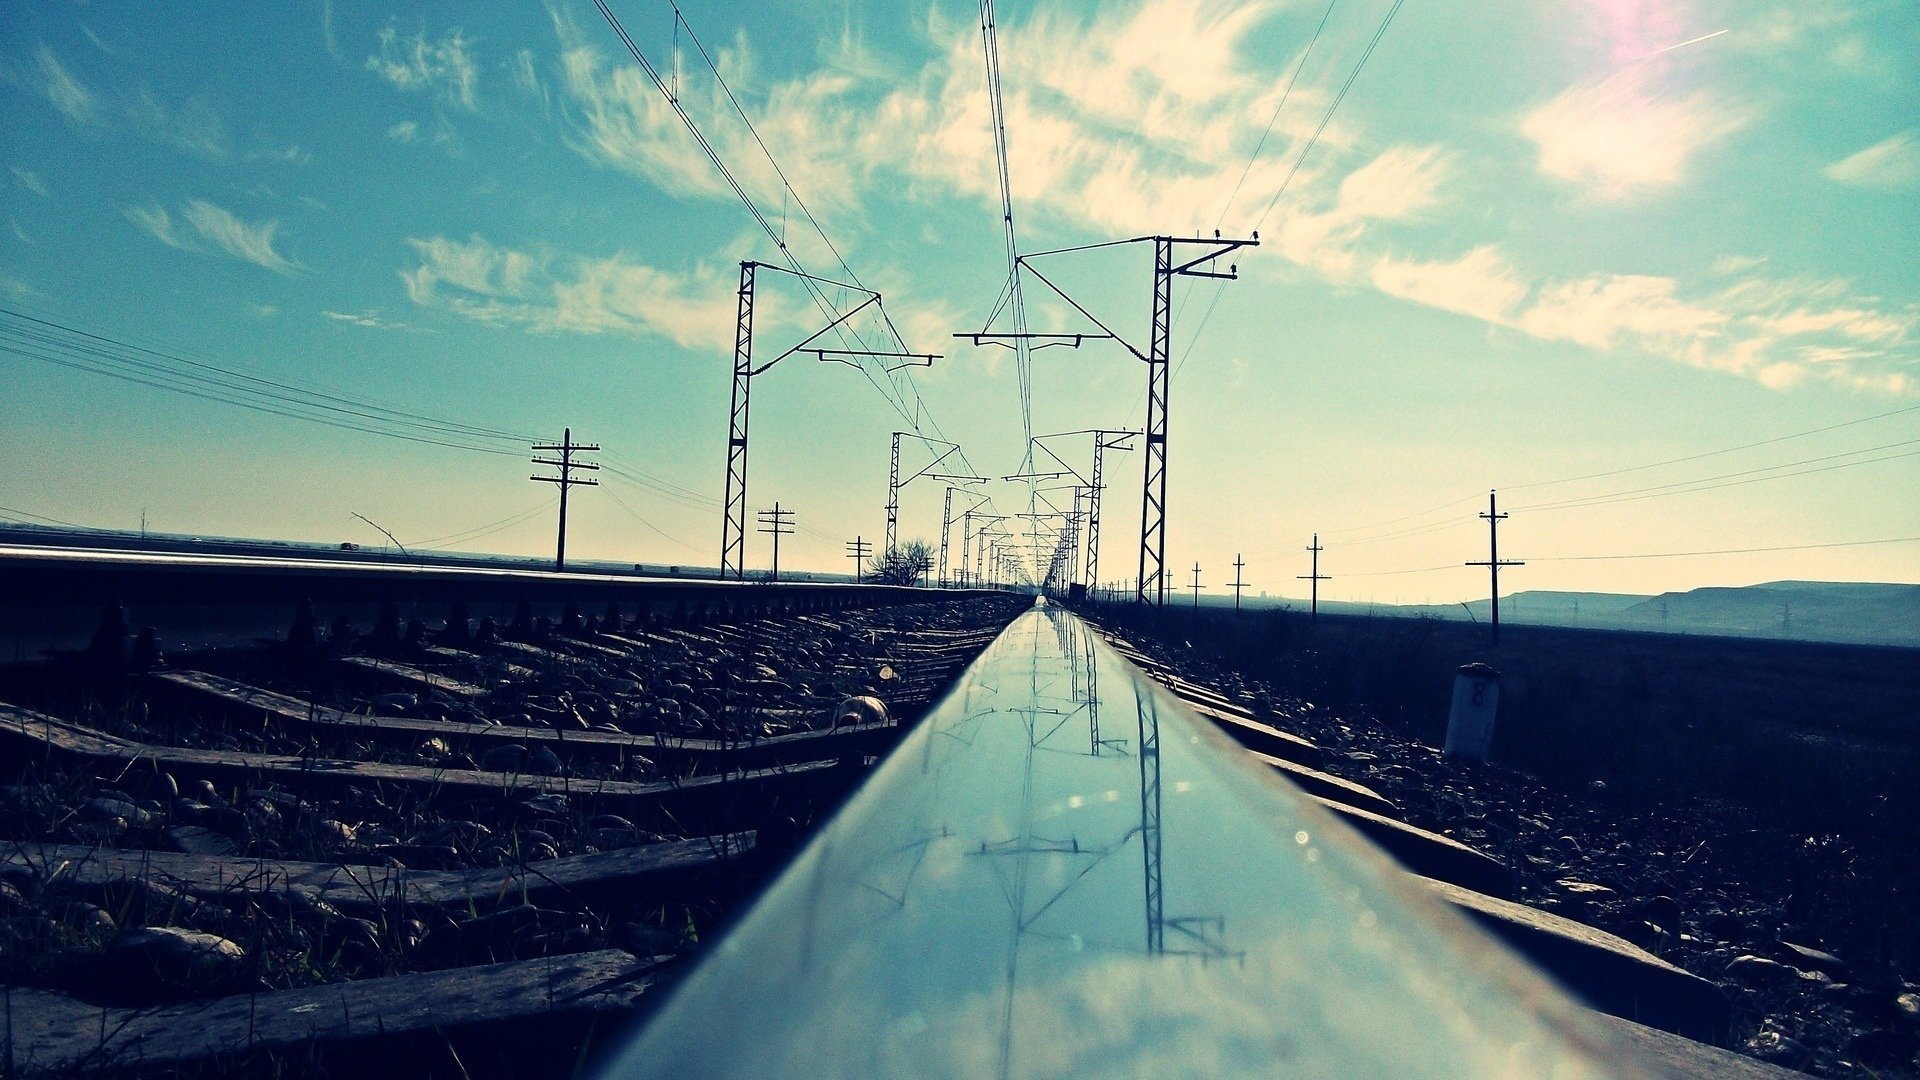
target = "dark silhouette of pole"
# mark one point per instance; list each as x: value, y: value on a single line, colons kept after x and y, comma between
x: 777, y: 523
x: 1238, y: 566
x: 566, y: 448
x: 1493, y: 517
x: 1316, y: 577
x: 733, y: 514
x: 858, y: 549
x: 1196, y: 586
x: 1151, y: 586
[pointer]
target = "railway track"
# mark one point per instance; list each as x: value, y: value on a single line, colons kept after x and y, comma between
x: 394, y: 828
x: 485, y: 848
x: 1076, y: 864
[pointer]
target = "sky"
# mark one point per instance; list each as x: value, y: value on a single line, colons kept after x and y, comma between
x: 1646, y: 266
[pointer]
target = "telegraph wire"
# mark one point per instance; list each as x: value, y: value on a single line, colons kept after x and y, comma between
x: 1227, y: 208
x: 1298, y: 161
x: 1656, y: 555
x: 48, y: 333
x: 1636, y: 497
x: 1729, y: 551
x: 98, y: 354
x: 635, y: 514
x: 256, y: 406
x: 912, y: 415
x: 483, y: 530
x: 1714, y: 453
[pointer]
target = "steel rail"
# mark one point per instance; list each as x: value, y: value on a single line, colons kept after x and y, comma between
x: 1064, y: 871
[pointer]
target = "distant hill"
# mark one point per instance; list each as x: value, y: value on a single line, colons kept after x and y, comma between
x: 1866, y: 613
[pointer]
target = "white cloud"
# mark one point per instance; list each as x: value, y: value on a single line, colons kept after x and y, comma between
x: 444, y: 67
x: 216, y: 226
x: 193, y: 126
x: 1401, y: 182
x: 372, y: 320
x: 489, y: 283
x: 1148, y: 130
x: 250, y: 241
x: 1599, y: 311
x: 1778, y: 332
x: 29, y: 180
x: 1624, y: 136
x: 264, y: 311
x: 18, y: 291
x: 1891, y: 164
x: 1479, y: 283
x: 1151, y: 124
x: 327, y: 36
x: 405, y: 131
x: 1727, y: 265
x: 67, y: 93
x: 157, y: 222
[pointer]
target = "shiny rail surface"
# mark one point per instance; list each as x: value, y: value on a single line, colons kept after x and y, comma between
x: 1064, y: 871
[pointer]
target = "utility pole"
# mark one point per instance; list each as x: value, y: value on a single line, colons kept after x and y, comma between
x: 894, y: 483
x: 566, y: 448
x: 1196, y: 586
x: 1493, y: 517
x: 1238, y: 566
x: 1103, y: 440
x: 776, y: 523
x: 733, y: 520
x: 1151, y: 585
x: 858, y: 549
x: 1313, y: 604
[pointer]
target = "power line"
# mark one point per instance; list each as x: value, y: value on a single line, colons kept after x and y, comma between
x: 1692, y: 486
x: 1298, y: 160
x: 1659, y: 555
x: 1733, y: 551
x: 1227, y: 207
x: 635, y: 514
x: 911, y: 415
x: 98, y: 346
x: 1717, y: 453
x: 1634, y: 468
x: 41, y: 517
x: 256, y: 406
x: 487, y: 529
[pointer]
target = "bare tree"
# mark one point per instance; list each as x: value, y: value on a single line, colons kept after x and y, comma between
x: 906, y: 564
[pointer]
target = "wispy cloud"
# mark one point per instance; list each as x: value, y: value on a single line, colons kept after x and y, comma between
x: 29, y: 180
x: 1627, y: 136
x: 1153, y: 122
x: 1479, y: 283
x: 405, y: 131
x: 372, y: 320
x: 1892, y: 164
x: 444, y: 67
x: 1601, y: 310
x: 1780, y: 332
x: 1400, y: 183
x: 67, y: 93
x: 18, y: 291
x: 192, y: 126
x: 553, y: 292
x: 158, y: 223
x: 252, y: 241
x: 327, y: 36
x: 1128, y: 138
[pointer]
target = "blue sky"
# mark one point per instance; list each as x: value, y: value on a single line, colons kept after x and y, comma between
x: 1535, y: 241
